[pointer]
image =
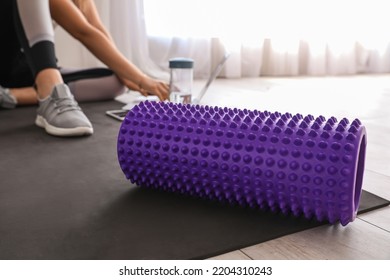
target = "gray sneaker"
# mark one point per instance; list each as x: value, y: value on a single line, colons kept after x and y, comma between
x: 7, y: 101
x: 60, y: 115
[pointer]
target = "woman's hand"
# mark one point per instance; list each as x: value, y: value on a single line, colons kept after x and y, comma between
x: 154, y: 87
x: 161, y: 94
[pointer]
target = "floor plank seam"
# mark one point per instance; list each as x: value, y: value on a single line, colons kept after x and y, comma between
x: 362, y: 219
x: 378, y: 173
x: 246, y: 254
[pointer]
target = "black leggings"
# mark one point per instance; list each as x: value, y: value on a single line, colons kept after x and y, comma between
x: 27, y: 32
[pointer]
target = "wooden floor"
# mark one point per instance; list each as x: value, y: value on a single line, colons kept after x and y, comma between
x: 363, y: 97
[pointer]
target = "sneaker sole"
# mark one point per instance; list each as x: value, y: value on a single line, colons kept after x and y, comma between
x: 57, y: 131
x: 7, y: 106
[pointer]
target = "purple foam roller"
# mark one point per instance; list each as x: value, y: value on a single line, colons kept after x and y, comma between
x: 290, y: 163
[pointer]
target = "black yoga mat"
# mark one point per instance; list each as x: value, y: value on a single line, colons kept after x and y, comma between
x: 66, y: 198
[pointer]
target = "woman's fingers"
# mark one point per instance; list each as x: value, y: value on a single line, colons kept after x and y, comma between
x: 164, y: 91
x: 159, y: 95
x: 143, y: 92
x: 154, y: 87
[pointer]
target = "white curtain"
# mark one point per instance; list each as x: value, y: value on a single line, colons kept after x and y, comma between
x: 124, y: 19
x: 275, y: 37
x: 264, y: 37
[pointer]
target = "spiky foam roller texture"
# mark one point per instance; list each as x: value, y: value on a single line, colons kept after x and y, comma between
x: 282, y: 162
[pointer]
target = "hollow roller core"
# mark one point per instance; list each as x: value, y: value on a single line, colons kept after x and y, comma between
x: 290, y: 163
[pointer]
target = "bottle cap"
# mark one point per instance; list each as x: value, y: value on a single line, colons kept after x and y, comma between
x: 181, y: 62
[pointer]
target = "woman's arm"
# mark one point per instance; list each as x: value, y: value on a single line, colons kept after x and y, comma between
x: 89, y: 10
x: 67, y: 15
